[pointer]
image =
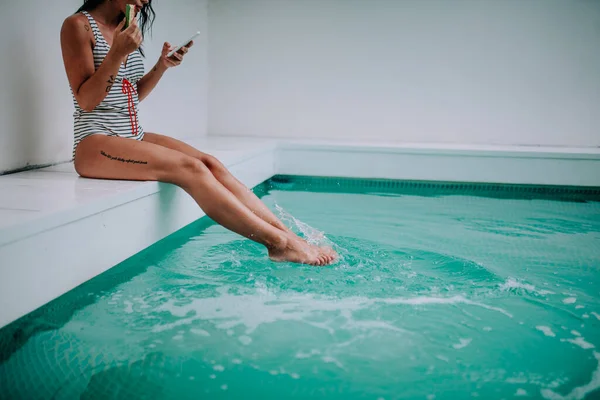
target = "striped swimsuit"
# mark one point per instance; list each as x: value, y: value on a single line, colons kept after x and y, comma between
x: 117, y: 114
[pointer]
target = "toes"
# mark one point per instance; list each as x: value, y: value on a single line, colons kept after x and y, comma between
x: 322, y: 261
x: 328, y: 255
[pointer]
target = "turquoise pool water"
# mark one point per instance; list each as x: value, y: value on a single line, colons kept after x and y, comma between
x: 442, y: 292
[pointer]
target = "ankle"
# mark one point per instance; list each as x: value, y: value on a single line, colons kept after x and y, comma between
x: 277, y: 242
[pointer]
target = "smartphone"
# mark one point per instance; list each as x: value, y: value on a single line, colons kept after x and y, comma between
x: 194, y: 36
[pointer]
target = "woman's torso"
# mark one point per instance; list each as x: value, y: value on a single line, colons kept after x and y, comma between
x: 117, y: 114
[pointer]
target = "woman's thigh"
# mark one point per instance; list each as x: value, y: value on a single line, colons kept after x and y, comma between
x: 111, y: 157
x: 176, y: 145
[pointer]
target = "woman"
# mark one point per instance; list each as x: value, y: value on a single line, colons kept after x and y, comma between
x: 105, y: 69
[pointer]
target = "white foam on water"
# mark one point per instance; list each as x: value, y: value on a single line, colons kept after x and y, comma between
x: 462, y: 343
x: 307, y: 355
x: 579, y: 392
x: 128, y: 307
x: 331, y: 360
x: 227, y: 310
x: 575, y: 333
x: 443, y: 358
x: 425, y: 300
x: 178, y: 337
x: 579, y: 341
x: 595, y: 314
x: 219, y: 368
x: 368, y: 325
x: 200, y: 332
x: 236, y: 361
x: 521, y: 392
x: 585, y: 316
x: 166, y: 327
x: 213, y: 376
x: 245, y: 340
x: 579, y: 307
x: 223, y: 387
x: 487, y: 328
x: 520, y: 379
x: 546, y: 330
x: 430, y: 396
x: 295, y: 375
x: 545, y: 292
x: 570, y: 300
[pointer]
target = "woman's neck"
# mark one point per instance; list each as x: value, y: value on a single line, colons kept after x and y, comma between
x: 107, y: 13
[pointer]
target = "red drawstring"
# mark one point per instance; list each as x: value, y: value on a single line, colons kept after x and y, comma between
x: 129, y: 90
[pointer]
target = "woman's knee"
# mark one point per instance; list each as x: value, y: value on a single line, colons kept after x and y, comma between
x: 213, y: 164
x: 186, y: 169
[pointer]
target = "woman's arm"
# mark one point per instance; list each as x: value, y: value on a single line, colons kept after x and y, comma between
x: 89, y: 86
x: 150, y: 80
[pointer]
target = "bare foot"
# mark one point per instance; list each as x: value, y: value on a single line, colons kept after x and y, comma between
x: 296, y: 250
x: 326, y: 254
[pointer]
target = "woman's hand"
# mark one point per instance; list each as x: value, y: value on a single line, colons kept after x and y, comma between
x: 127, y: 41
x: 175, y: 59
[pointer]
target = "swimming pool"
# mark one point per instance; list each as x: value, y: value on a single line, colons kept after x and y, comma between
x: 443, y: 291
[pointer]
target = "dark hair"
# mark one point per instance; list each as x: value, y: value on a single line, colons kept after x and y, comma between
x: 146, y: 15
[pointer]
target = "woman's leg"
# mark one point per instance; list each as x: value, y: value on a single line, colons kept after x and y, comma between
x: 236, y: 187
x: 106, y: 157
x: 222, y: 174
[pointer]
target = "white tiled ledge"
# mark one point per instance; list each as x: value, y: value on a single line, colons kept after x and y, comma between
x: 446, y: 148
x: 58, y: 230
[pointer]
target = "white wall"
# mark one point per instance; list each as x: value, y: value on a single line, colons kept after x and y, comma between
x: 36, y: 109
x: 459, y: 71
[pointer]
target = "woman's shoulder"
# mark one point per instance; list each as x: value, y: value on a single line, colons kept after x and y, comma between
x: 77, y: 19
x: 77, y: 27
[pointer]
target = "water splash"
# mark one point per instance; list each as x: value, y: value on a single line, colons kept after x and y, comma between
x: 514, y: 285
x: 312, y: 235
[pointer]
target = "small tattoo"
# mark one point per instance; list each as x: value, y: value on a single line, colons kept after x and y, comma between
x: 123, y: 160
x: 111, y: 82
x: 87, y: 28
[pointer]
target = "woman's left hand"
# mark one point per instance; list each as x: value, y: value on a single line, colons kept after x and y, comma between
x: 175, y: 59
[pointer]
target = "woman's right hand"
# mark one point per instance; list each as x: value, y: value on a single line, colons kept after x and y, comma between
x: 127, y: 41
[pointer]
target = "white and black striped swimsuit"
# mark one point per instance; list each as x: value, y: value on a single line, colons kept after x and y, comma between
x: 117, y: 114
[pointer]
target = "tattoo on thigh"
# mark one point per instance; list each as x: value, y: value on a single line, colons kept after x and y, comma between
x: 111, y: 82
x: 123, y: 160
